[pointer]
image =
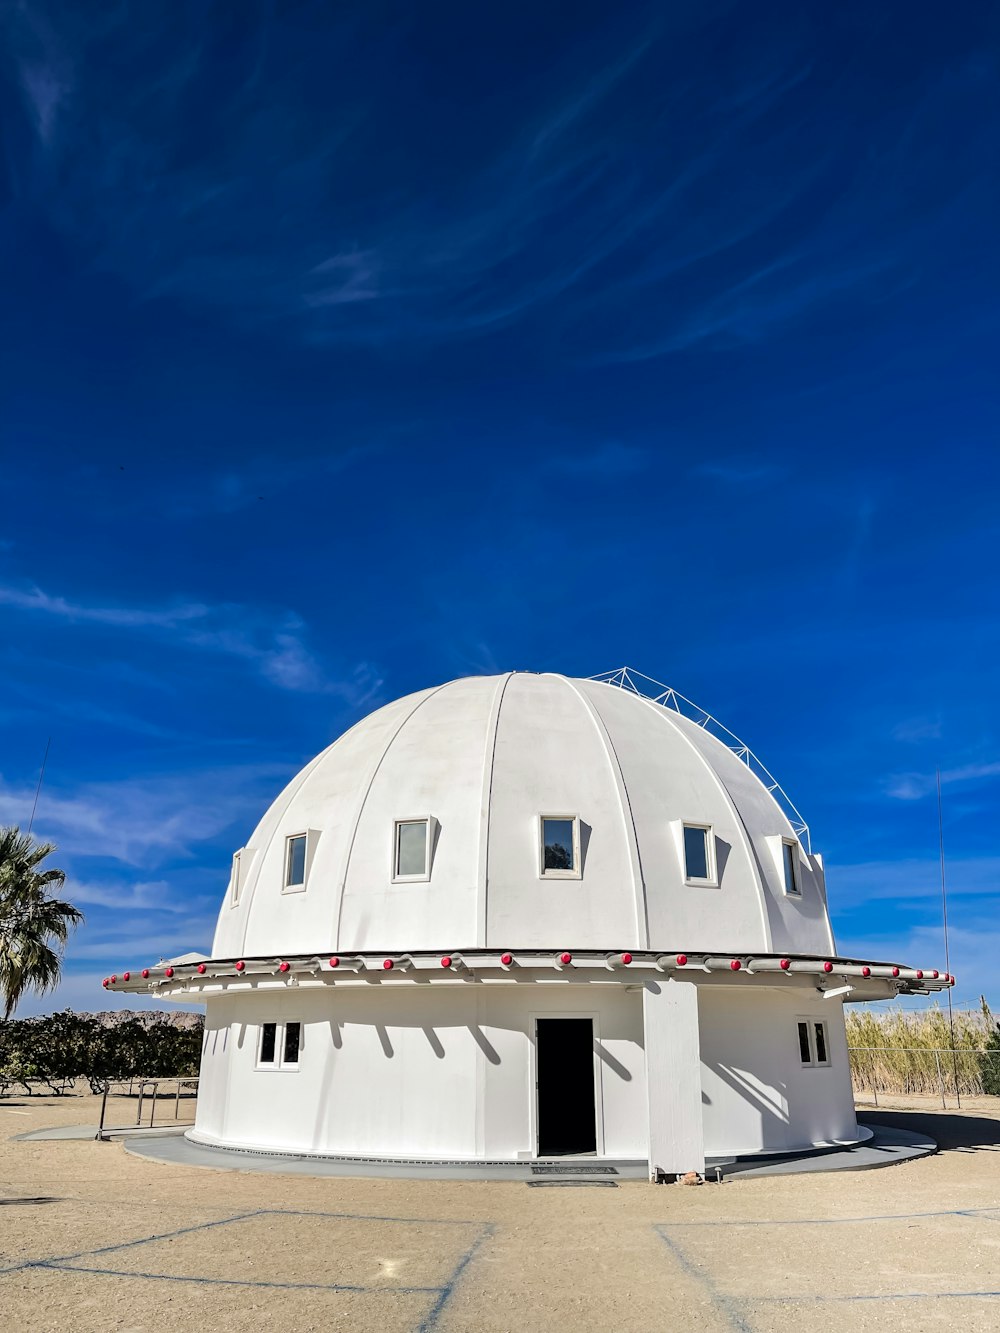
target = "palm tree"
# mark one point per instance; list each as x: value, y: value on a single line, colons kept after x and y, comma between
x: 33, y: 925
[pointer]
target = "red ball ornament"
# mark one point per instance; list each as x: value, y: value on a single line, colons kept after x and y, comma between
x: 126, y: 975
x: 388, y: 965
x: 334, y: 962
x: 626, y: 958
x: 682, y: 960
x: 785, y: 964
x: 104, y: 983
x: 735, y: 965
x: 241, y: 966
x: 866, y: 971
x: 827, y: 967
x: 446, y: 961
x: 934, y: 974
x: 145, y: 971
x: 168, y: 971
x: 895, y: 971
x: 920, y: 974
x: 284, y: 967
x: 565, y: 958
x: 506, y: 959
x: 201, y: 968
x: 114, y: 978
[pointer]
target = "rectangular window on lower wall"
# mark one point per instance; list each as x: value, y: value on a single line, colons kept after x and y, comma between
x: 279, y: 1045
x: 814, y: 1046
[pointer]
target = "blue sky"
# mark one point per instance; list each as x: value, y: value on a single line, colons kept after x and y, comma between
x: 349, y: 349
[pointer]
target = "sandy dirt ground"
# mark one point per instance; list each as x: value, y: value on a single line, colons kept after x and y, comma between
x: 94, y: 1238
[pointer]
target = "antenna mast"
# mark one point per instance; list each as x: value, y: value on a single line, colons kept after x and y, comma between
x: 947, y: 954
x: 41, y: 775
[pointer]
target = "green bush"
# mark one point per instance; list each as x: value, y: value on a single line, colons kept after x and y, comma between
x: 53, y: 1051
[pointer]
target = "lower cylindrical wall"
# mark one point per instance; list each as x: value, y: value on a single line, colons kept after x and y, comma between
x: 449, y: 1071
x: 758, y: 1094
x: 436, y: 1072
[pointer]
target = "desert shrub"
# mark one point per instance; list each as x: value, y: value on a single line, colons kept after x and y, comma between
x: 989, y: 1063
x: 53, y: 1051
x: 896, y: 1050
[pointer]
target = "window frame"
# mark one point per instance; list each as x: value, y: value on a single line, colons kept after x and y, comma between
x: 812, y: 1023
x: 790, y: 848
x: 286, y: 864
x: 279, y: 1065
x: 429, y: 823
x: 577, y: 871
x: 710, y: 881
x: 234, y: 878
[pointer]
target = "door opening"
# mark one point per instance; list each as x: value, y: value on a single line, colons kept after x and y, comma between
x: 564, y: 1055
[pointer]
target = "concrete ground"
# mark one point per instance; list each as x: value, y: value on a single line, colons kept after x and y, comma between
x: 95, y: 1238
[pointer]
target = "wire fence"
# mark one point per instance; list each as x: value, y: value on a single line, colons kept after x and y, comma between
x: 945, y: 1072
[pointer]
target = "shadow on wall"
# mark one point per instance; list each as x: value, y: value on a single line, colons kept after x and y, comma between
x: 616, y: 1066
x: 585, y: 831
x: 770, y: 1104
x: 722, y: 850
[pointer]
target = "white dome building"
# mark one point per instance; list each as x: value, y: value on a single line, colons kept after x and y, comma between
x: 524, y: 916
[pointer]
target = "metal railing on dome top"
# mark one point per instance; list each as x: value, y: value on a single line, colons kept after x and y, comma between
x: 163, y: 1097
x: 625, y: 678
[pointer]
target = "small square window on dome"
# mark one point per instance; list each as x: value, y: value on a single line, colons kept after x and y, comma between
x: 699, y: 854
x: 295, y: 861
x: 559, y: 846
x: 412, y: 849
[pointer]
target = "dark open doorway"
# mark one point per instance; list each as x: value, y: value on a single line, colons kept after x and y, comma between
x: 564, y: 1054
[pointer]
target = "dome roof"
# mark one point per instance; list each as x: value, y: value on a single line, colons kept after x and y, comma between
x: 483, y: 760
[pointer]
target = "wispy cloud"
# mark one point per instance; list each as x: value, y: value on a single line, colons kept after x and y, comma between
x: 273, y: 645
x: 259, y: 481
x: 973, y: 951
x: 911, y: 880
x: 147, y: 821
x: 740, y: 473
x: 34, y: 599
x: 613, y: 459
x: 81, y: 991
x: 142, y: 897
x: 915, y: 786
x: 623, y: 172
x: 916, y: 729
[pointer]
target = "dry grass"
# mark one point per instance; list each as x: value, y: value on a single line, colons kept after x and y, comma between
x: 910, y: 1051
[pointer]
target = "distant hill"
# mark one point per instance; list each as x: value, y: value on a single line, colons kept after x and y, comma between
x: 149, y: 1018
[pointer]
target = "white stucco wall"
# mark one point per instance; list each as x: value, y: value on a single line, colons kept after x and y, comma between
x: 757, y: 1096
x: 448, y: 1071
x: 391, y: 1071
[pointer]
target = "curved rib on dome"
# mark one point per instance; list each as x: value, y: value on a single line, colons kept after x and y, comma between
x: 484, y: 757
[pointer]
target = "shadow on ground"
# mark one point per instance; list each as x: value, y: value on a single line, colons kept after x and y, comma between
x: 953, y: 1133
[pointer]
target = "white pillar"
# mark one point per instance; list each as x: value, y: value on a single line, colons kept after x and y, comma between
x: 673, y: 1077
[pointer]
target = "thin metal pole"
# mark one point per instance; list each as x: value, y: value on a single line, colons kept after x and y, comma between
x: 937, y: 1061
x: 104, y: 1103
x: 138, y: 1114
x: 177, y: 1101
x: 152, y: 1105
x: 41, y: 775
x: 947, y: 952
